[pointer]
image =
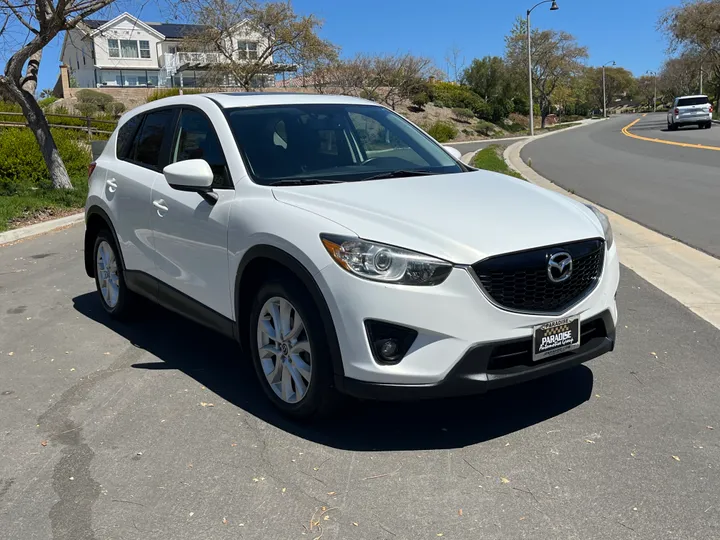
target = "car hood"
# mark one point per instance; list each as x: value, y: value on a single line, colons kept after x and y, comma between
x: 462, y: 218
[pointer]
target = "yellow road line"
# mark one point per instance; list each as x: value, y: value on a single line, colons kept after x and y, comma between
x: 626, y: 131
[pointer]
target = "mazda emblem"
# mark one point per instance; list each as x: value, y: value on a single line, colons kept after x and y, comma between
x: 559, y: 267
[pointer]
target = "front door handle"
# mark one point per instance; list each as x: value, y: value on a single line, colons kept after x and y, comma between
x: 111, y: 185
x: 160, y: 205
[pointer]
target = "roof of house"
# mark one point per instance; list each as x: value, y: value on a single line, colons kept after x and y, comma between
x: 169, y: 30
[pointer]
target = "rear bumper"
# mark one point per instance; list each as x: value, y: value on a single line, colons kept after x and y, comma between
x: 493, y: 365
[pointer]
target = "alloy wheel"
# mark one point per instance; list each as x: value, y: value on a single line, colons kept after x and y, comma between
x: 107, y: 274
x: 284, y: 350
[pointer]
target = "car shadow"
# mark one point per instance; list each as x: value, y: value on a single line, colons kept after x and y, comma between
x: 218, y: 364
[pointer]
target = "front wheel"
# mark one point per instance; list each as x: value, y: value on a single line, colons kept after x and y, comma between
x: 289, y: 350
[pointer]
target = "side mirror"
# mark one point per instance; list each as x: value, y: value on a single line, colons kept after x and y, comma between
x: 454, y: 152
x: 189, y: 175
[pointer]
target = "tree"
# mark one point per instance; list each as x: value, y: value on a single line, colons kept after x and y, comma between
x: 455, y: 62
x: 645, y: 90
x: 283, y: 40
x: 619, y: 82
x: 679, y: 77
x: 488, y: 77
x: 28, y: 26
x: 693, y: 25
x: 556, y: 60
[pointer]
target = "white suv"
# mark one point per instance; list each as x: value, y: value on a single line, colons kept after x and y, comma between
x: 345, y: 249
x: 690, y: 110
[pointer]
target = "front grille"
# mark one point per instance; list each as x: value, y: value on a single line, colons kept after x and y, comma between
x: 517, y: 356
x: 520, y: 282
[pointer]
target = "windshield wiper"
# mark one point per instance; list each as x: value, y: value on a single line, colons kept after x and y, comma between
x: 399, y: 174
x: 304, y: 182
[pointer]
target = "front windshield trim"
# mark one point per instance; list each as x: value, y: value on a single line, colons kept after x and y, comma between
x: 350, y: 173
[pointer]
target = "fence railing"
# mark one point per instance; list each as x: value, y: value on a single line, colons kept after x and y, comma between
x: 88, y: 126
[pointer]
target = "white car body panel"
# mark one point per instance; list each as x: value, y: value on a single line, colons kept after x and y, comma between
x: 461, y: 218
x: 198, y: 248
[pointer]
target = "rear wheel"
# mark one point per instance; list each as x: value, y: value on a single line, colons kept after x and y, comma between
x: 115, y: 297
x: 289, y: 350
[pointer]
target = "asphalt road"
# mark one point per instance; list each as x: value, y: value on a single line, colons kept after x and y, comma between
x: 158, y: 429
x: 673, y: 190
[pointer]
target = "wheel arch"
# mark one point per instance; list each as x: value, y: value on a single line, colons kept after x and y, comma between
x: 96, y: 220
x: 263, y: 260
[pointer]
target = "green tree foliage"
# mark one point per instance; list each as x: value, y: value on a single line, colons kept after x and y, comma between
x: 557, y: 58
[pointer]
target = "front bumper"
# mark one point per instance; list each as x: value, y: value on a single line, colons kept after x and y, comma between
x: 493, y: 365
x: 454, y: 321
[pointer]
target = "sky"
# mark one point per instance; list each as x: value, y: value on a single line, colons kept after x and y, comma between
x: 624, y: 31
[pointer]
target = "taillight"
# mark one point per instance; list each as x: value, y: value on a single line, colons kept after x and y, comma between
x: 711, y: 108
x: 91, y: 168
x: 677, y: 111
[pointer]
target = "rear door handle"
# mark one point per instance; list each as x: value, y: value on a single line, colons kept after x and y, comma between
x: 160, y: 205
x: 111, y: 185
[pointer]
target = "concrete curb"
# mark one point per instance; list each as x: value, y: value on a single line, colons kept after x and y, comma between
x: 40, y: 228
x: 690, y: 276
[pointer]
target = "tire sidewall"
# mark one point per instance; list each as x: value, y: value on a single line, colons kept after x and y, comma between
x: 106, y: 236
x: 320, y: 381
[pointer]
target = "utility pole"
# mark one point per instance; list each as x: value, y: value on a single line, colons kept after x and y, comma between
x: 604, y: 98
x: 553, y: 7
x: 654, y: 74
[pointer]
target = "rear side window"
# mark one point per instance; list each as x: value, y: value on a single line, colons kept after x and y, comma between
x: 154, y: 138
x: 126, y: 136
x: 686, y: 102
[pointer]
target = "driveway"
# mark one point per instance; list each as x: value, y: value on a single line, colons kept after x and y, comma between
x: 158, y: 429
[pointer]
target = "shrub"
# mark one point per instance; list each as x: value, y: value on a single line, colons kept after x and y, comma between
x: 46, y: 101
x: 369, y: 94
x: 442, y: 131
x: 161, y: 93
x: 439, y: 104
x: 22, y: 168
x: 464, y: 115
x: 87, y: 108
x: 93, y: 96
x: 115, y: 108
x: 458, y: 96
x: 419, y: 100
x: 485, y: 128
x: 500, y: 108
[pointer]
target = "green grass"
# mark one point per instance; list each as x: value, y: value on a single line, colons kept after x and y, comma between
x: 561, y: 126
x: 40, y: 203
x: 490, y: 159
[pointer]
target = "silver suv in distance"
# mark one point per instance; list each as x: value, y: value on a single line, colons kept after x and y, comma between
x: 688, y: 110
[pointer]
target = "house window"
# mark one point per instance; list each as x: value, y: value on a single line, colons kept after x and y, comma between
x: 129, y: 48
x: 144, y: 49
x: 247, y: 50
x: 113, y: 48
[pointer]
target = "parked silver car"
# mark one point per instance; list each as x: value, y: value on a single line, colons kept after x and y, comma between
x: 688, y: 110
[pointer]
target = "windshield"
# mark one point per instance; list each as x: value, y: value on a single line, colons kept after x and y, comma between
x: 335, y: 142
x: 684, y: 102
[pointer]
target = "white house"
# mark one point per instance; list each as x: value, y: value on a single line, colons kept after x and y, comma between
x: 127, y: 52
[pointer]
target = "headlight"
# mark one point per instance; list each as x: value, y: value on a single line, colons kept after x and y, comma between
x: 607, y: 229
x: 389, y: 264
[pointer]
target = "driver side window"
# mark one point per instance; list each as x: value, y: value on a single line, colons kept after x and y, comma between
x: 196, y: 139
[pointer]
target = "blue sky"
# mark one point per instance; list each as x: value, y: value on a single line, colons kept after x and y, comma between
x: 624, y: 31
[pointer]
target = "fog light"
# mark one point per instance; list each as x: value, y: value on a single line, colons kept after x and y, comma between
x: 389, y: 349
x: 389, y: 342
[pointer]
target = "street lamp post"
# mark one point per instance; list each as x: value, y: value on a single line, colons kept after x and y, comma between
x: 553, y: 7
x: 604, y: 98
x: 654, y: 74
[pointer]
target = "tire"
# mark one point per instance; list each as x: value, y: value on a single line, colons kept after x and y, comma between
x: 673, y: 127
x: 284, y: 368
x: 116, y: 299
x: 708, y: 125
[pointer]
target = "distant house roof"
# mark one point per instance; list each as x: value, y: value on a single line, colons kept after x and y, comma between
x: 169, y: 30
